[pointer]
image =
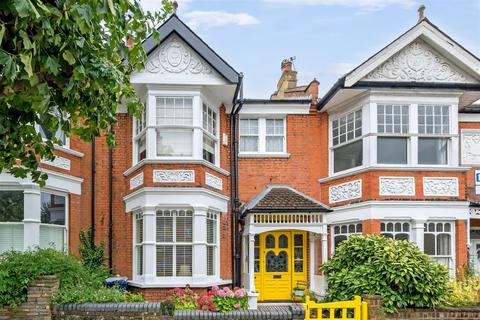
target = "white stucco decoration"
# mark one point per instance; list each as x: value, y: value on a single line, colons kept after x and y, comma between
x: 136, y: 181
x: 475, y: 212
x: 174, y: 56
x: 396, y: 186
x: 59, y: 162
x: 418, y: 62
x: 440, y: 186
x: 345, y: 191
x: 213, y: 181
x: 470, y: 142
x: 173, y: 176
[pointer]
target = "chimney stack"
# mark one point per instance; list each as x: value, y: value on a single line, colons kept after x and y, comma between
x: 286, y: 65
x: 288, y: 78
x: 421, y: 13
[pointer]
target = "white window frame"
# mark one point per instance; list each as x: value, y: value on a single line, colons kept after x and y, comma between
x: 394, y: 223
x: 138, y: 216
x: 213, y: 216
x: 139, y: 134
x: 347, y: 234
x: 214, y: 136
x: 262, y: 136
x: 27, y: 209
x: 332, y: 147
x: 452, y: 233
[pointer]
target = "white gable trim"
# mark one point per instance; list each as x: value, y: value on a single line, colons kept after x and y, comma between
x: 432, y: 36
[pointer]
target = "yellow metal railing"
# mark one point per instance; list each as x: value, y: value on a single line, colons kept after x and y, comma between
x: 346, y: 310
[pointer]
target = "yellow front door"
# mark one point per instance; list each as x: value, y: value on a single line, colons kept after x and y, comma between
x: 280, y: 261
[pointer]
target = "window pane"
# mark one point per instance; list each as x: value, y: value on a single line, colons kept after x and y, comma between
x: 211, y: 231
x: 11, y: 206
x: 208, y: 149
x: 274, y: 144
x: 391, y: 150
x: 248, y: 144
x: 52, y: 209
x: 164, y: 229
x: 164, y: 261
x: 174, y: 142
x: 210, y: 261
x: 184, y: 261
x: 339, y: 239
x: 429, y: 244
x: 184, y: 229
x: 347, y: 127
x: 432, y: 151
x: 142, y: 148
x: 174, y: 111
x: 11, y: 237
x: 348, y: 156
x: 52, y: 236
x: 443, y: 245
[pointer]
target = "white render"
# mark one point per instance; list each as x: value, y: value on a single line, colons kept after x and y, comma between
x: 418, y: 62
x: 396, y: 186
x: 440, y: 186
x: 59, y: 162
x: 174, y: 176
x: 345, y: 191
x: 136, y: 181
x: 213, y: 181
x: 470, y: 146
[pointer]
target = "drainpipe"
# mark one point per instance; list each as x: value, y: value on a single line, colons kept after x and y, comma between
x: 92, y: 209
x: 236, y: 236
x: 110, y: 210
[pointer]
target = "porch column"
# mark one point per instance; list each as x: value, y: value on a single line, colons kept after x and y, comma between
x: 149, y: 243
x: 323, y: 289
x: 31, y: 216
x: 311, y: 240
x: 251, y: 262
x: 417, y: 233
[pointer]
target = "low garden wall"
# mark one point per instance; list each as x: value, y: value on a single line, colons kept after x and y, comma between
x: 375, y: 312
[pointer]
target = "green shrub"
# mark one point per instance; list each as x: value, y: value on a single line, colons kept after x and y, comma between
x: 92, y: 255
x: 465, y: 292
x: 394, y: 269
x: 77, y: 282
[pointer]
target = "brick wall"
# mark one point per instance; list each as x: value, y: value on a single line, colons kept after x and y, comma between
x: 37, y: 305
x: 375, y: 312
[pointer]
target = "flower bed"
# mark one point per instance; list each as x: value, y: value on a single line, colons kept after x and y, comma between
x: 216, y: 299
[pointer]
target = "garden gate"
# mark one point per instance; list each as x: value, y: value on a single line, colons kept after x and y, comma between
x: 345, y: 310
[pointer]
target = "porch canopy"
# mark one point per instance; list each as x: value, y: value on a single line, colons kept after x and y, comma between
x: 281, y: 207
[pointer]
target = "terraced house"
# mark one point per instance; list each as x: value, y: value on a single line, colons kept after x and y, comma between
x: 208, y: 188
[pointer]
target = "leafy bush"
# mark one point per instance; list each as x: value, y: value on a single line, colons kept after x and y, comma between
x: 92, y: 255
x: 77, y: 282
x: 394, y: 269
x: 217, y: 299
x: 465, y: 292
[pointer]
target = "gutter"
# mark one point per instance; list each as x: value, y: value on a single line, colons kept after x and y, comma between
x: 340, y: 84
x: 236, y: 240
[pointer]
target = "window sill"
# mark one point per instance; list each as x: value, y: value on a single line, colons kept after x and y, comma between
x: 69, y: 151
x: 405, y: 168
x: 263, y: 155
x: 179, y: 284
x: 175, y: 161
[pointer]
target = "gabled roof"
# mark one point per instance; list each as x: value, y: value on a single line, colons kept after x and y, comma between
x: 434, y: 37
x: 283, y: 198
x: 175, y: 25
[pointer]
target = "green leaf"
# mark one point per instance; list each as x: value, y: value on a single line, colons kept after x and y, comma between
x: 2, y: 32
x: 111, y: 7
x: 51, y: 64
x: 4, y: 57
x: 27, y: 44
x: 27, y: 62
x: 25, y: 8
x: 68, y: 56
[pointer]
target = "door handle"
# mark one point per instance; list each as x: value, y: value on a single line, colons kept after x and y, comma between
x: 277, y: 276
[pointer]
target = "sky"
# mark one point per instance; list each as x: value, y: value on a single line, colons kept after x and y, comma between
x: 328, y: 38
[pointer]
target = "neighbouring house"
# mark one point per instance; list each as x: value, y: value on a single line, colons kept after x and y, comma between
x: 208, y: 188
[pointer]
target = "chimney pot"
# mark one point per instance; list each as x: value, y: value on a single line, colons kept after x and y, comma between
x: 286, y: 65
x: 421, y: 13
x: 175, y: 6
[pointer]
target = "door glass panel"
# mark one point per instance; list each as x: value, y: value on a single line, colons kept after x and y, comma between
x: 270, y: 241
x: 298, y: 266
x: 276, y: 263
x: 298, y: 253
x: 257, y: 253
x: 283, y: 241
x: 298, y: 240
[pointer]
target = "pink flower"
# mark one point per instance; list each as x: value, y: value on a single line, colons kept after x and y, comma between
x: 230, y: 294
x: 221, y: 294
x: 215, y: 288
x: 237, y: 305
x: 226, y: 289
x: 239, y: 294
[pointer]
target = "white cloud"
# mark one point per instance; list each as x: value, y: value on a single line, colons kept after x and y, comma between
x: 156, y: 5
x: 208, y: 19
x: 364, y: 5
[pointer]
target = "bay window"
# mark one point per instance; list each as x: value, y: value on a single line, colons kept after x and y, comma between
x: 395, y: 230
x: 209, y: 126
x: 139, y: 243
x: 433, y: 120
x: 347, y: 148
x: 342, y: 232
x: 211, y: 242
x: 438, y: 242
x: 392, y: 120
x: 262, y: 136
x: 140, y: 136
x: 47, y: 230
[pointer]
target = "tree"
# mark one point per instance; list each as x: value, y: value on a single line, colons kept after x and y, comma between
x: 66, y: 64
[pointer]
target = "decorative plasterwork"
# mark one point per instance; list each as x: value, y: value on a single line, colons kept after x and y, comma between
x: 440, y: 186
x: 59, y: 162
x: 470, y: 142
x: 136, y: 181
x: 475, y: 212
x: 174, y: 56
x: 345, y: 191
x: 173, y: 176
x: 396, y: 186
x: 418, y: 62
x: 213, y: 181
